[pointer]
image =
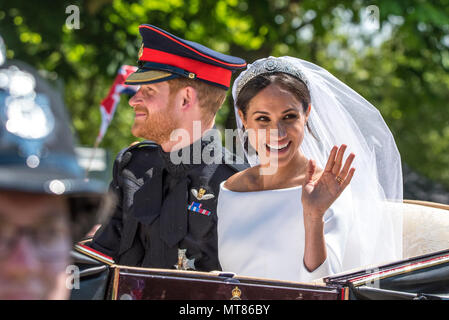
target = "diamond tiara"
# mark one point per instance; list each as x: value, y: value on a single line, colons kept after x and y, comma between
x: 270, y: 65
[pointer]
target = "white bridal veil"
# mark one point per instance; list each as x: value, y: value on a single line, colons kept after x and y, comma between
x: 338, y: 116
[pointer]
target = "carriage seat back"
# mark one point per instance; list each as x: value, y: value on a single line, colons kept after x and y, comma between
x: 425, y: 228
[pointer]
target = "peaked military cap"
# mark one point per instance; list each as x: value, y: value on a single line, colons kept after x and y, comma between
x: 164, y: 56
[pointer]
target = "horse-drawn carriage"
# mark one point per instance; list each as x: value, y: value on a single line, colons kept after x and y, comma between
x: 423, y: 273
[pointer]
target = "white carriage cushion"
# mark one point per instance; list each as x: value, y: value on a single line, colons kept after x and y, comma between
x: 425, y: 229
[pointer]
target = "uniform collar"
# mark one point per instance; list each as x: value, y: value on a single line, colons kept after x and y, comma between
x: 180, y: 161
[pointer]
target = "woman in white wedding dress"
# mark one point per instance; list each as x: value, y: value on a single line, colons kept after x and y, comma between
x: 301, y: 212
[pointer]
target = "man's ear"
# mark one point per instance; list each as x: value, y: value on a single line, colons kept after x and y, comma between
x: 188, y: 97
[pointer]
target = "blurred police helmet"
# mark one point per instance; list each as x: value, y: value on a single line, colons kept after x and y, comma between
x: 37, y: 147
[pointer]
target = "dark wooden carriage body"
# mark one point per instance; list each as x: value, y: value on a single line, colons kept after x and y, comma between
x: 424, y: 277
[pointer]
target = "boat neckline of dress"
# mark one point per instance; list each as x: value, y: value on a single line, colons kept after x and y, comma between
x: 259, y: 191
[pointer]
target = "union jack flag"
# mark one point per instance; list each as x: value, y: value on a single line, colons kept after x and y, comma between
x: 108, y: 104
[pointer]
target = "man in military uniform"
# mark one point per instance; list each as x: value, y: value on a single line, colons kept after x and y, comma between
x: 166, y: 217
x: 45, y: 202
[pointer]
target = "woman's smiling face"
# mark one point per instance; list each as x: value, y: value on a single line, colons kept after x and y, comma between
x: 275, y: 122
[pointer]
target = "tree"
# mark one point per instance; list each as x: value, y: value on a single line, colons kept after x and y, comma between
x: 401, y: 67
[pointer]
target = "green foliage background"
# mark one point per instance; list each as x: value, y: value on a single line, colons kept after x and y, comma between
x: 402, y: 67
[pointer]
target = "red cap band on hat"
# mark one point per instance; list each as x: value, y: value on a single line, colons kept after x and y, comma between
x: 202, y: 70
x: 190, y: 48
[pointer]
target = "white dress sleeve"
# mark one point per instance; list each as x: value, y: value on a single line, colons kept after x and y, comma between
x: 337, y: 225
x: 322, y: 271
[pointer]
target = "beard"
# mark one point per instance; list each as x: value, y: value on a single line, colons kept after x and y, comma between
x: 157, y: 126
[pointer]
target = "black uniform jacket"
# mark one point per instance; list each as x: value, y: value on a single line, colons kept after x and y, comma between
x: 164, y: 206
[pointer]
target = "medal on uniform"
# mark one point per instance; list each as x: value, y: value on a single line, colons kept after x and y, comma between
x: 183, y: 262
x: 201, y: 194
x: 197, y: 207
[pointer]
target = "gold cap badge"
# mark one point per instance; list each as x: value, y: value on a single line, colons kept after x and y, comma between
x: 140, y: 51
